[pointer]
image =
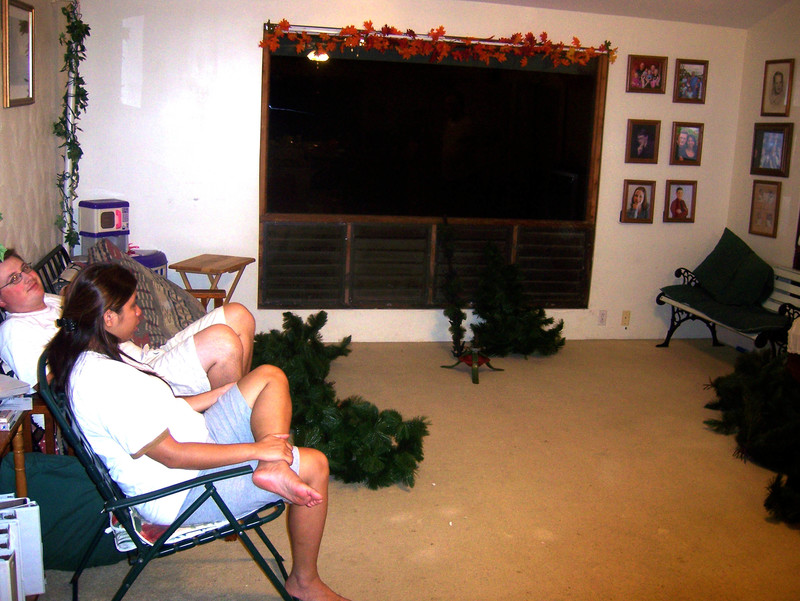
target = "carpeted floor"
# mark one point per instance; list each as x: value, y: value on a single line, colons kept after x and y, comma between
x: 584, y: 476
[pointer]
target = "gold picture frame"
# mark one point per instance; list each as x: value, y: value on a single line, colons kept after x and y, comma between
x: 18, y: 57
x: 764, y: 208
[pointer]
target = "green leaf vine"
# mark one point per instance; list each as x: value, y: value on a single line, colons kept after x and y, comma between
x: 76, y: 100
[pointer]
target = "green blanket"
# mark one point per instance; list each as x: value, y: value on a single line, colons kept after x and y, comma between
x: 69, y: 508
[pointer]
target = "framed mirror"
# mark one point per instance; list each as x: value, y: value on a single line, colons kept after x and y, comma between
x: 18, y: 63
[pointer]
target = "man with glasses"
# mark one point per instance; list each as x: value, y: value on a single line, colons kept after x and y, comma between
x: 213, y: 351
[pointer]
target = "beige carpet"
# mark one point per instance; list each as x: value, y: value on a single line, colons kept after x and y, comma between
x: 584, y: 476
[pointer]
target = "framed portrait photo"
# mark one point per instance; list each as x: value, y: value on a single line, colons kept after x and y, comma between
x: 680, y: 202
x: 637, y: 201
x: 17, y: 53
x: 776, y: 92
x: 687, y: 143
x: 772, y: 149
x: 764, y: 208
x: 642, y: 141
x: 646, y: 74
x: 691, y: 77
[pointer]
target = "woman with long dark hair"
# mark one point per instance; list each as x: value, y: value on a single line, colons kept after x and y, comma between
x: 148, y: 438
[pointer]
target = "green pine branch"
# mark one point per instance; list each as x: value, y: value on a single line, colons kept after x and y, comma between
x: 363, y: 444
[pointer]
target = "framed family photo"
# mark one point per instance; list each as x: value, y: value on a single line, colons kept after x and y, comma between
x: 776, y: 91
x: 680, y: 202
x: 646, y: 74
x: 687, y: 143
x: 17, y: 53
x: 642, y: 141
x: 772, y: 149
x: 637, y: 201
x: 764, y: 208
x: 691, y: 78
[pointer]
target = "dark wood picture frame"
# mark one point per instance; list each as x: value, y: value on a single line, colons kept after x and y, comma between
x: 776, y: 90
x: 642, y: 141
x: 630, y: 188
x: 764, y: 208
x: 687, y: 143
x: 646, y: 74
x: 691, y: 80
x: 772, y: 149
x: 680, y: 201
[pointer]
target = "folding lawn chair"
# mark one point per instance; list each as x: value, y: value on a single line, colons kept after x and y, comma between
x: 148, y: 541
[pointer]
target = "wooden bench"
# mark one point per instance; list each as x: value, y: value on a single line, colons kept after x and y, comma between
x: 767, y: 323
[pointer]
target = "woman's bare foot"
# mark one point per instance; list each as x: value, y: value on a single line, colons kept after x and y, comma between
x: 316, y: 590
x: 278, y: 477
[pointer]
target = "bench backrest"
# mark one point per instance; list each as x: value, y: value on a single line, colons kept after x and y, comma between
x: 51, y: 266
x: 786, y: 289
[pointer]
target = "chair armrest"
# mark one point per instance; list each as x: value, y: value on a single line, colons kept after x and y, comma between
x: 171, y: 490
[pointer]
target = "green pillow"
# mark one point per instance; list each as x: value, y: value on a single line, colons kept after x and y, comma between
x: 718, y: 269
x: 751, y: 284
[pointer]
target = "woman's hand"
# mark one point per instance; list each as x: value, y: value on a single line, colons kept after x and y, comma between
x: 274, y: 447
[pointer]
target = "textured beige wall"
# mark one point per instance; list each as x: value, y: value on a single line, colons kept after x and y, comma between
x: 29, y: 153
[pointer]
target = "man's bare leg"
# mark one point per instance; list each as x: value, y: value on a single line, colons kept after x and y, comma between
x: 244, y: 325
x: 219, y: 350
x: 306, y: 526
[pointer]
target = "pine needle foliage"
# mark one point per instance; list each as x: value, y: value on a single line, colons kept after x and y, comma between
x: 510, y: 323
x: 453, y: 290
x: 363, y: 444
x: 760, y: 405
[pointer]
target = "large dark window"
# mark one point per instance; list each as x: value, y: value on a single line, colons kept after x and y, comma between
x: 366, y: 137
x: 363, y: 159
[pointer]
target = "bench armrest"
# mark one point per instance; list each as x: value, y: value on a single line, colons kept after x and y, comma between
x: 687, y: 276
x: 790, y: 310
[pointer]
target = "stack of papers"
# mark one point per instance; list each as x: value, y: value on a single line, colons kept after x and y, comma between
x: 11, y: 387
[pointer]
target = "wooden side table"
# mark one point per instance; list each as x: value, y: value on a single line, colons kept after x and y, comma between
x: 213, y: 266
x: 15, y: 439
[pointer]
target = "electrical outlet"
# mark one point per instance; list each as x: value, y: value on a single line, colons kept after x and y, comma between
x: 601, y: 317
x: 626, y: 318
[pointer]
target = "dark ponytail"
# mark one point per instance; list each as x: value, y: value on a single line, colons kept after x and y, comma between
x: 96, y: 289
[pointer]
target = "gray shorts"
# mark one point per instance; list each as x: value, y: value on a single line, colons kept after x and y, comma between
x: 228, y: 422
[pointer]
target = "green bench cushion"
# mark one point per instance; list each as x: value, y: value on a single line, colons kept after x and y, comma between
x: 750, y: 319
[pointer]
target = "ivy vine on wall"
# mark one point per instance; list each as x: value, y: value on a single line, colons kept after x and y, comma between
x: 75, y: 102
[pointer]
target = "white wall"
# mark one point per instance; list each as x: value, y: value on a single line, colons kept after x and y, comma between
x: 775, y: 38
x: 29, y: 156
x: 173, y: 127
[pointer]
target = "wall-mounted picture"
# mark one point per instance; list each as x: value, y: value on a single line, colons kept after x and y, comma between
x: 646, y: 74
x: 691, y: 77
x: 764, y: 208
x: 772, y: 149
x: 17, y: 53
x: 776, y: 94
x: 637, y: 201
x: 681, y: 200
x: 687, y: 143
x: 642, y: 145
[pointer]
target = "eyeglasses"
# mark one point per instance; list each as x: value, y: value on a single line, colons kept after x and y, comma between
x: 16, y: 278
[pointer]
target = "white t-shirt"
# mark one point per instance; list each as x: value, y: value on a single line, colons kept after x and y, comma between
x: 23, y: 337
x: 121, y: 410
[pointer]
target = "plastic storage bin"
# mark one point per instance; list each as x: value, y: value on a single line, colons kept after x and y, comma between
x: 153, y: 259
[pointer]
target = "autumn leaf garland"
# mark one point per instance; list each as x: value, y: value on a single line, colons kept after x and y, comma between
x: 435, y: 45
